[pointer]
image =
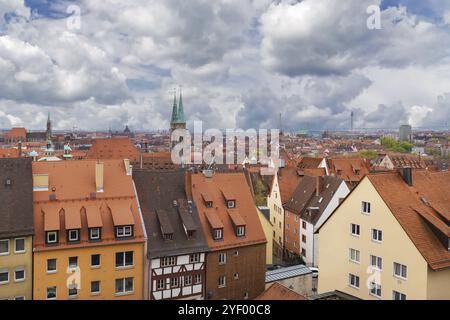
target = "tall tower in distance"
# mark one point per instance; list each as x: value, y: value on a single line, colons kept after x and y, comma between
x: 352, y: 121
x: 49, y: 128
x: 178, y: 121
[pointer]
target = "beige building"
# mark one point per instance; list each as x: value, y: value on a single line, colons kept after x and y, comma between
x: 390, y: 239
x: 275, y: 205
x: 16, y: 229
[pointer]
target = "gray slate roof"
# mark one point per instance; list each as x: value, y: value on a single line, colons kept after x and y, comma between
x: 16, y: 198
x: 286, y: 273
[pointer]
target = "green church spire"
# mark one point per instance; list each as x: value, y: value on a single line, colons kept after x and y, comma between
x: 181, y: 109
x: 175, y: 108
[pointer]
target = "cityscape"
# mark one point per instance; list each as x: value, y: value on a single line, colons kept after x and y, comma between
x: 321, y: 200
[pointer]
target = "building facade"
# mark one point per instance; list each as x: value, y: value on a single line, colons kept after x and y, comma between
x: 16, y: 229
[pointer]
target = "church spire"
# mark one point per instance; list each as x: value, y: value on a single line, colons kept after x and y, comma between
x: 175, y: 108
x: 181, y: 109
x: 49, y: 127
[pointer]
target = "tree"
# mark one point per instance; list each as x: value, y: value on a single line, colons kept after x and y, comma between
x: 260, y: 194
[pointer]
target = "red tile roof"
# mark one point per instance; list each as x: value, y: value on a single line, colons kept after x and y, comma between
x: 279, y: 292
x: 113, y: 149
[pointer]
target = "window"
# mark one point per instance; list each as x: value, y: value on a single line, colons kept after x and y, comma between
x: 398, y: 295
x: 174, y: 282
x: 4, y: 276
x: 160, y: 284
x: 194, y: 258
x: 208, y: 204
x: 303, y: 238
x: 188, y: 280
x: 19, y: 246
x: 222, y: 258
x: 52, y: 237
x: 19, y: 298
x: 353, y: 281
x: 240, y: 231
x: 4, y: 247
x: 124, y: 286
x: 376, y: 262
x: 218, y: 234
x: 304, y: 224
x: 74, y: 235
x: 198, y: 278
x: 236, y: 276
x: 304, y: 252
x: 73, y: 292
x: 123, y: 232
x: 246, y: 296
x: 375, y: 289
x: 222, y: 282
x: 377, y: 235
x: 355, y: 229
x: 94, y: 234
x: 51, y: 265
x: 51, y: 293
x: 355, y: 255
x: 231, y: 204
x: 236, y: 253
x: 400, y: 270
x: 95, y: 260
x: 95, y: 287
x: 365, y: 207
x: 19, y: 274
x: 168, y: 261
x: 73, y: 262
x: 124, y: 259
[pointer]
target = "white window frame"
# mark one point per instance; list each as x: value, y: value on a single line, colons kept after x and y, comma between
x: 56, y: 267
x: 15, y: 246
x: 231, y: 204
x: 401, y: 277
x: 357, y: 256
x: 357, y: 227
x: 378, y: 233
x: 5, y: 253
x: 198, y: 278
x: 240, y: 231
x: 124, y: 292
x: 195, y: 258
x: 24, y: 274
x: 394, y: 292
x: 71, y: 266
x: 222, y: 282
x: 56, y: 293
x: 355, y: 277
x: 124, y: 231
x: 366, y: 208
x: 174, y: 282
x: 188, y: 280
x: 72, y: 296
x: 158, y: 284
x: 96, y: 293
x: 48, y: 236
x: 377, y: 287
x: 125, y: 265
x: 168, y: 261
x: 7, y: 272
x: 97, y: 266
x: 222, y: 258
x: 377, y: 262
x: 91, y: 237
x: 218, y: 234
x: 77, y: 238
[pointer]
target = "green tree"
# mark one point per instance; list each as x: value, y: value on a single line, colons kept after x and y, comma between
x: 260, y: 194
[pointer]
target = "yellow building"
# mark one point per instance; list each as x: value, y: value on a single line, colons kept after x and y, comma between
x: 89, y: 237
x: 275, y: 205
x: 16, y: 229
x: 390, y: 239
x: 268, y: 231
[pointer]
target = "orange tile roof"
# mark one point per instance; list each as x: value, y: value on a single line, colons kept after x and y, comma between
x: 72, y: 185
x: 9, y: 153
x: 288, y: 180
x: 279, y: 292
x: 346, y: 169
x: 417, y: 208
x: 113, y: 149
x: 245, y: 206
x: 17, y: 133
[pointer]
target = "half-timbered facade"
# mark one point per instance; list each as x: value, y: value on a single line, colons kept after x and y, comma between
x: 176, y: 251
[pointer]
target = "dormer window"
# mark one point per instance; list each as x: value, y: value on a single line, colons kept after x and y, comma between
x: 51, y: 237
x: 124, y: 231
x: 94, y: 234
x: 73, y: 235
x: 8, y: 183
x: 231, y: 204
x: 218, y: 234
x: 168, y: 236
x: 240, y: 231
x: 208, y: 204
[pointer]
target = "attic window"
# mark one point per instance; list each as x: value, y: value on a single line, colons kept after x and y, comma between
x: 168, y: 236
x: 231, y: 204
x: 208, y: 204
x: 218, y: 234
x: 8, y: 183
x: 357, y: 172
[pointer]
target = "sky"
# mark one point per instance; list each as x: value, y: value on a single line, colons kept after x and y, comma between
x: 240, y: 63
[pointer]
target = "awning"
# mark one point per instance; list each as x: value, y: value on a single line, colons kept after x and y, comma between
x: 51, y: 219
x: 121, y: 213
x: 236, y: 217
x: 94, y: 217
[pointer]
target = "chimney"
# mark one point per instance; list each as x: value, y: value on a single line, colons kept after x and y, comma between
x: 128, y: 167
x: 408, y: 176
x: 318, y: 186
x: 99, y: 187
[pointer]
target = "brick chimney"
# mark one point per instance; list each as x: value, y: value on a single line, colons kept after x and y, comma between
x: 99, y: 175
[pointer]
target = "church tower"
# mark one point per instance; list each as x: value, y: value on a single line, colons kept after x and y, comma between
x: 49, y: 128
x: 178, y: 121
